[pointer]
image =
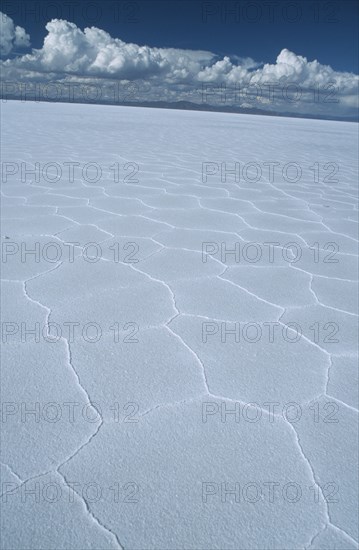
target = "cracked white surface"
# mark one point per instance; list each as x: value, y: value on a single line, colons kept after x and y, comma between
x: 171, y: 375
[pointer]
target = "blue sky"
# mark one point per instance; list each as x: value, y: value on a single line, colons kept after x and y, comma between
x: 323, y: 30
x: 171, y: 49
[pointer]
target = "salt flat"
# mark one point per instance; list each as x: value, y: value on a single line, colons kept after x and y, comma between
x: 180, y: 346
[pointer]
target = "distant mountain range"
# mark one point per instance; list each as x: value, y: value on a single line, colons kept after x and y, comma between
x: 190, y: 106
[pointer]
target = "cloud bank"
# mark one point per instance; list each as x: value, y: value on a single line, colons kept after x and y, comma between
x: 11, y: 37
x: 92, y: 56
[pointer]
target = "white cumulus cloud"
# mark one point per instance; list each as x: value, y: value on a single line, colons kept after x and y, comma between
x: 92, y: 54
x: 10, y: 36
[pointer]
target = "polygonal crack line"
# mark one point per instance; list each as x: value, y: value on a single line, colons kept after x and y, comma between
x: 118, y: 213
x: 177, y: 312
x: 200, y: 363
x: 316, y: 534
x: 328, y: 381
x: 89, y: 440
x: 318, y: 302
x: 321, y: 492
x: 324, y: 528
x: 43, y: 273
x: 321, y: 246
x: 224, y: 212
x: 328, y: 520
x: 276, y: 231
x: 174, y: 305
x: 233, y: 198
x: 154, y: 220
x: 346, y: 405
x: 210, y: 393
x: 74, y: 222
x: 310, y: 342
x: 12, y: 471
x: 242, y: 217
x: 303, y: 335
x: 198, y: 398
x: 65, y: 229
x: 165, y: 247
x: 74, y: 371
x: 338, y: 233
x: 345, y: 535
x: 312, y: 291
x: 329, y: 356
x: 296, y: 198
x: 155, y: 252
x: 24, y: 481
x: 323, y: 276
x: 330, y: 366
x: 173, y: 404
x: 69, y: 357
x: 325, y: 394
x: 82, y: 499
x: 311, y: 470
x: 87, y: 224
x: 330, y: 363
x: 216, y: 396
x: 220, y: 276
x: 191, y: 229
